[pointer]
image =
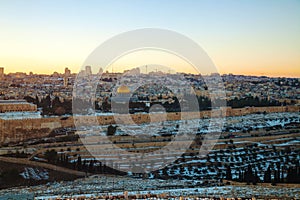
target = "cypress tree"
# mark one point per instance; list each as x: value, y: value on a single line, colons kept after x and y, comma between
x: 228, y: 173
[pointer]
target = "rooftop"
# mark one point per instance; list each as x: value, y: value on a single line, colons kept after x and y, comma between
x: 13, y: 101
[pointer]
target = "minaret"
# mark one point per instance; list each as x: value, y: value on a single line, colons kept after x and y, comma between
x: 88, y: 70
x: 66, y: 77
x: 100, y: 71
x: 66, y: 81
x: 1, y: 72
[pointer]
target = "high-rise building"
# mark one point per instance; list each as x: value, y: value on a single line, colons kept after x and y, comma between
x: 1, y: 72
x: 134, y: 71
x: 88, y: 70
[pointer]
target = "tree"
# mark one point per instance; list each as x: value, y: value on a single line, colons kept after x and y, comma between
x: 267, y: 175
x: 79, y: 163
x: 51, y: 155
x: 46, y: 105
x: 255, y: 178
x: 293, y: 174
x: 111, y: 130
x: 249, y: 177
x: 60, y: 111
x: 29, y: 99
x: 56, y: 102
x: 228, y: 173
x: 10, y: 175
x: 91, y: 166
x: 106, y: 106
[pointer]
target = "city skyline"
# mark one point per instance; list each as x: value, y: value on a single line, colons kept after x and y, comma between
x: 61, y: 71
x: 150, y: 99
x: 251, y: 38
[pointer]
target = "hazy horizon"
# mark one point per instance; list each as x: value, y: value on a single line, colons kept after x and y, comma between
x: 62, y: 72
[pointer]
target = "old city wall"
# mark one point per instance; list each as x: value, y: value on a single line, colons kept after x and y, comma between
x: 24, y: 129
x: 250, y: 110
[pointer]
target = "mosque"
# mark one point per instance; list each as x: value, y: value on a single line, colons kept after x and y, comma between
x: 123, y: 89
x: 120, y: 102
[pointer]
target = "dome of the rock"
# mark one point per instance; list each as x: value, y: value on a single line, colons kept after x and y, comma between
x: 123, y: 90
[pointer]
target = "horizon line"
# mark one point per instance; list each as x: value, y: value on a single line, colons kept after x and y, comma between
x: 110, y: 72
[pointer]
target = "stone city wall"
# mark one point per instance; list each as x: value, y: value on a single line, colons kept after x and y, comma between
x: 17, y: 107
x: 24, y: 129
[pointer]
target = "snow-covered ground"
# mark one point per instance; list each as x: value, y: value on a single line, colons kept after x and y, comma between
x: 202, y: 126
x: 35, y: 174
x: 114, y: 186
x: 259, y: 154
x: 189, y: 170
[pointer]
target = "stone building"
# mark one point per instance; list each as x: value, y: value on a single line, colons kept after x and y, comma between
x: 16, y: 106
x: 120, y: 102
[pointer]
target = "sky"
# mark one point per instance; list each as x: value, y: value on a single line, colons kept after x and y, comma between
x: 257, y: 37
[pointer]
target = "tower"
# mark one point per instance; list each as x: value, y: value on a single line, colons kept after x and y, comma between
x: 1, y: 72
x: 66, y: 77
x: 100, y: 71
x: 67, y: 72
x: 88, y: 70
x: 66, y: 81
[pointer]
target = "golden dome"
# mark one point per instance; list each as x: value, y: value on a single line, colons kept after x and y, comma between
x: 123, y: 90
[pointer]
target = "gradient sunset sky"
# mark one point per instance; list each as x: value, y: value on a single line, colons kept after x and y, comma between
x: 256, y: 37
